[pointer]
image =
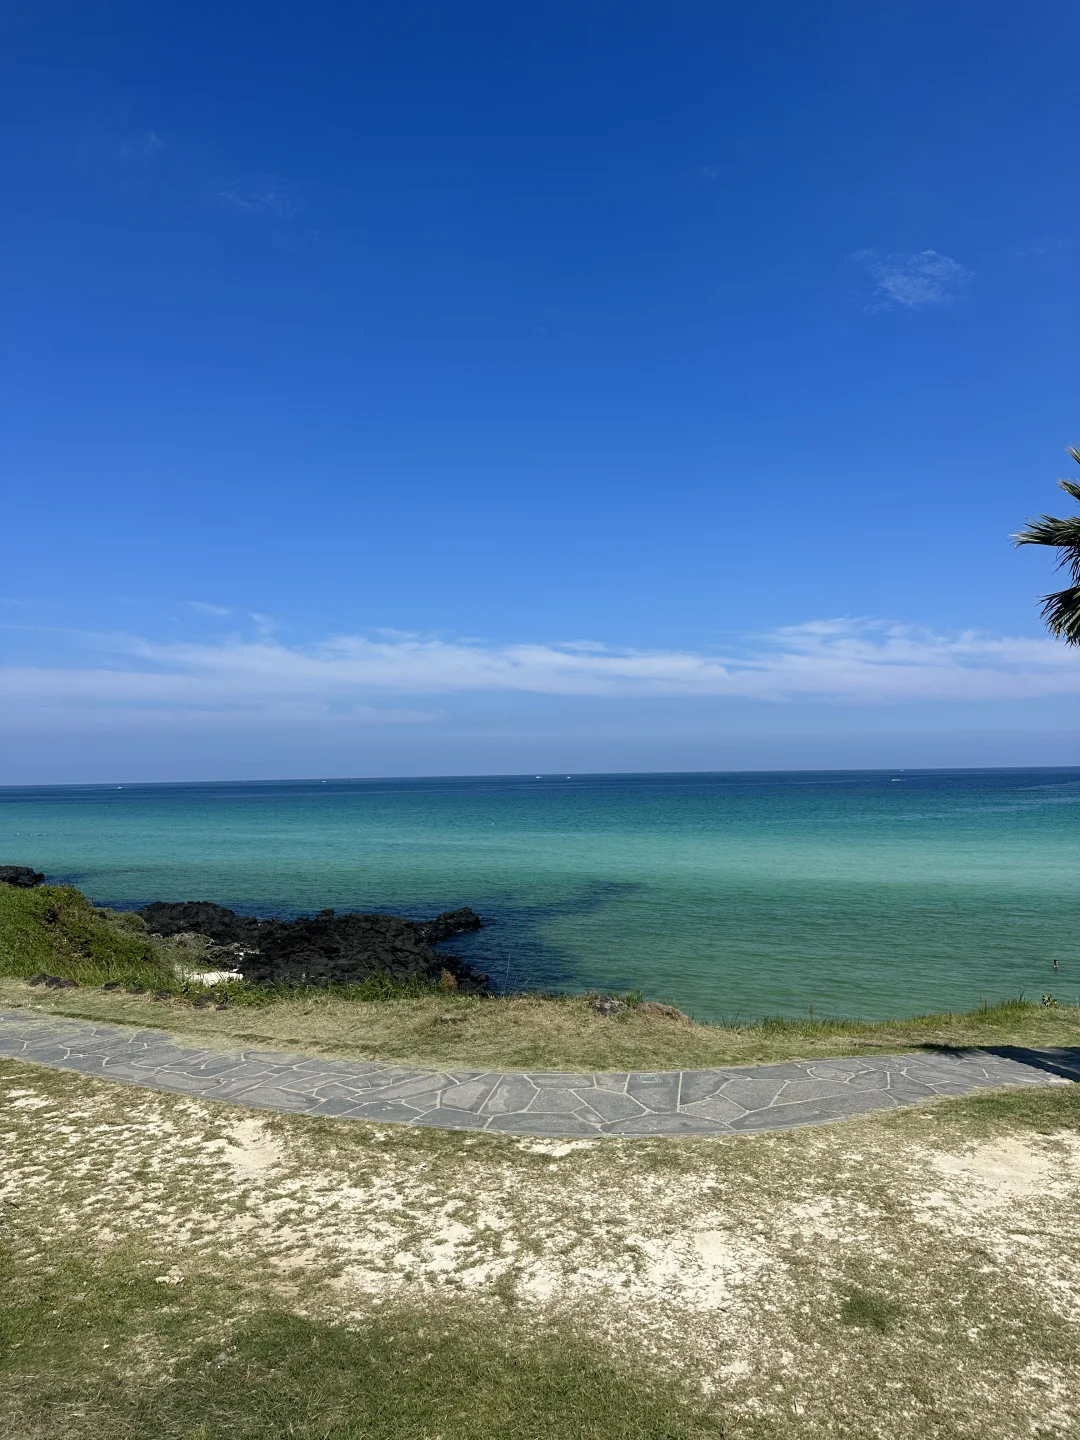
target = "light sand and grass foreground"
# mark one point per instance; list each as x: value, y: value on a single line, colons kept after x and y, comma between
x: 177, y: 1268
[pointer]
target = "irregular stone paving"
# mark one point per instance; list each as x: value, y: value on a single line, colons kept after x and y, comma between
x: 672, y: 1102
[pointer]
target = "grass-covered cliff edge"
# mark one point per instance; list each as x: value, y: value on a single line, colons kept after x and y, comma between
x: 55, y: 930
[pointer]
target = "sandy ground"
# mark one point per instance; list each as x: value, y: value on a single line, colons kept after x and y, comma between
x: 733, y: 1257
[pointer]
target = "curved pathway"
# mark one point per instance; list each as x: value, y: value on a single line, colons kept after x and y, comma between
x: 720, y: 1101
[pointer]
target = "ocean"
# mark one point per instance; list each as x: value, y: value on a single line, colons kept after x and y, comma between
x: 734, y: 896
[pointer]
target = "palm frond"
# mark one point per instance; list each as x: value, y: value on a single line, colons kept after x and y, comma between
x: 1046, y: 530
x: 1061, y: 611
x: 1063, y: 536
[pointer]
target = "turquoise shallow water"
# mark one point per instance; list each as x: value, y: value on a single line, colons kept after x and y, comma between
x: 867, y: 894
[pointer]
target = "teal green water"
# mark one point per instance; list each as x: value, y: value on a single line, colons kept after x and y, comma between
x: 863, y: 894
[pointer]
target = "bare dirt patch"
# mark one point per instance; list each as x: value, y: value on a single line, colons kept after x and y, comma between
x: 251, y: 1152
x: 1005, y: 1173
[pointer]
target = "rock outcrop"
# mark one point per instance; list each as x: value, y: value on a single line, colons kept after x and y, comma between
x: 21, y: 876
x: 346, y: 949
x: 201, y: 917
x: 328, y: 948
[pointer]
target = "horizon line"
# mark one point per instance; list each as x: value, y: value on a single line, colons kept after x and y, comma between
x: 544, y: 775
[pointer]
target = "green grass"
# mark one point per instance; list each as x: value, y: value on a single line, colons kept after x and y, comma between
x: 419, y: 1373
x: 76, y: 1342
x: 54, y: 929
x: 867, y: 1308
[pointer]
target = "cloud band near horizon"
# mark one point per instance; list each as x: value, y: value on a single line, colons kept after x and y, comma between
x: 845, y: 661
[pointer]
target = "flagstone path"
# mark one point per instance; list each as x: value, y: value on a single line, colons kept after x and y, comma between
x: 720, y: 1101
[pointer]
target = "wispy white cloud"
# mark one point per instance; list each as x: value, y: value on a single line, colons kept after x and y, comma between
x: 913, y: 281
x: 846, y: 661
x: 205, y: 608
x: 267, y: 195
x: 142, y: 146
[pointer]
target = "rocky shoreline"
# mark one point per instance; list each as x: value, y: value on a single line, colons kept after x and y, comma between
x: 322, y: 949
x: 327, y: 948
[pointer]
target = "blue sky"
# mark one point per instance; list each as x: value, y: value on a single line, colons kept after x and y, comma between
x: 438, y: 388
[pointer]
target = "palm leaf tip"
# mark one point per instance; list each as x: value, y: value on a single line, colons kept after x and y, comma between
x: 1061, y: 612
x: 1061, y: 608
x: 1047, y: 530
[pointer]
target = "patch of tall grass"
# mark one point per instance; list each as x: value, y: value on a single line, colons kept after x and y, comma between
x: 55, y: 930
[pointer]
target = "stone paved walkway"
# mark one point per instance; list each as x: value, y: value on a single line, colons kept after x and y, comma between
x: 672, y: 1102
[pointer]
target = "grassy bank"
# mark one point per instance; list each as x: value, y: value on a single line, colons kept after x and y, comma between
x: 56, y: 930
x: 186, y: 1271
x: 537, y: 1033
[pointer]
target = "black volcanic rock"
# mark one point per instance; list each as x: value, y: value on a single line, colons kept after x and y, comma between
x: 201, y: 917
x: 327, y: 948
x: 450, y: 922
x: 349, y: 949
x: 21, y: 876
